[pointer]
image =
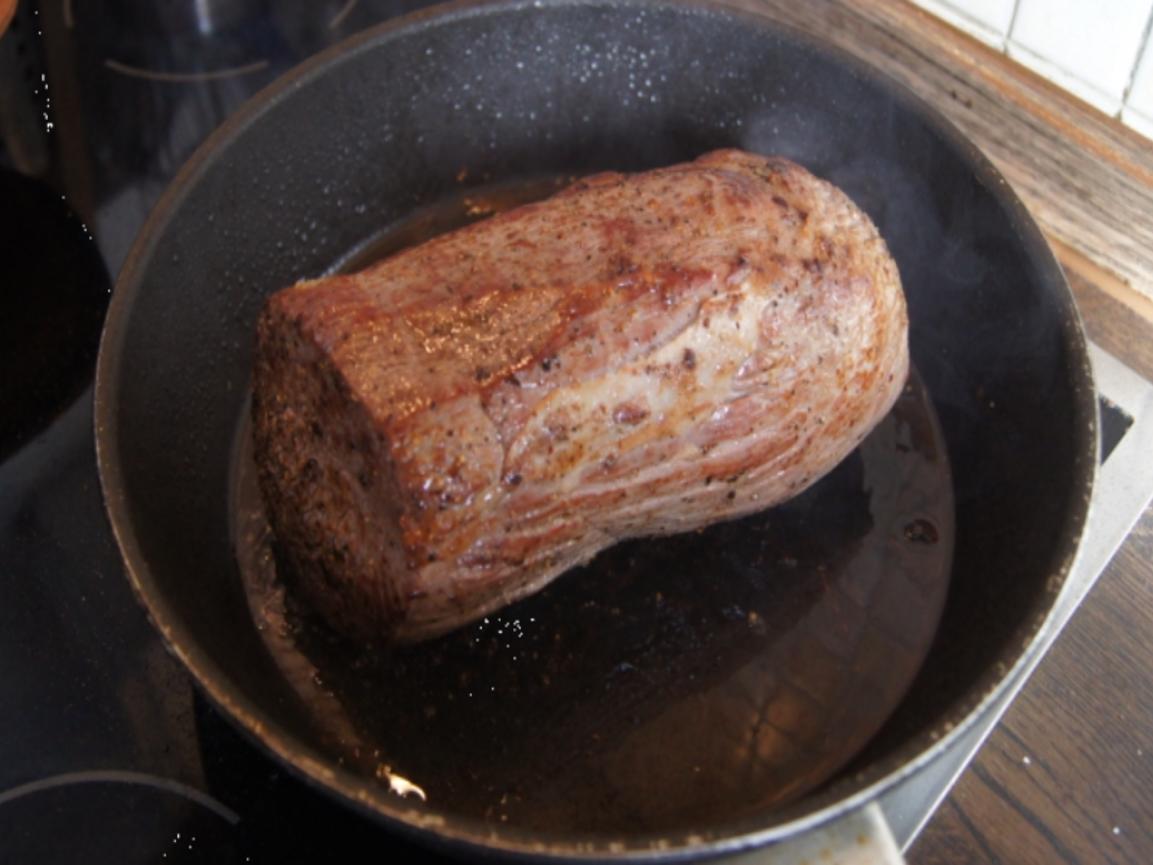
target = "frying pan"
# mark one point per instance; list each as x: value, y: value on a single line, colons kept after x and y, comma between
x: 452, y: 104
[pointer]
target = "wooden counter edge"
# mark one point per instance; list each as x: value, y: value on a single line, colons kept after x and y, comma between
x: 1086, y: 178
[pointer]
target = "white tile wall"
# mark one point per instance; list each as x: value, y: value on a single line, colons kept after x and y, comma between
x: 1138, y: 111
x: 988, y: 20
x: 1099, y: 50
x: 1088, y: 46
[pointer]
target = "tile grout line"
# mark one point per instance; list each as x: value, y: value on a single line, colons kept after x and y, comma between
x: 957, y: 8
x: 1145, y: 36
x: 1145, y: 46
x: 1009, y: 29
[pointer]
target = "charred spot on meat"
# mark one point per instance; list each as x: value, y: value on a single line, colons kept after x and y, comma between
x: 502, y: 402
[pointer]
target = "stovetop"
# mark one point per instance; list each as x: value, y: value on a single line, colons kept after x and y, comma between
x: 107, y: 752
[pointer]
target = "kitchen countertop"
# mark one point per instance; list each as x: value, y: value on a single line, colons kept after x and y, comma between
x: 1064, y: 778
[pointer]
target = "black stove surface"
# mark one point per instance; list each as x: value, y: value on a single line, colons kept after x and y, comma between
x: 107, y: 752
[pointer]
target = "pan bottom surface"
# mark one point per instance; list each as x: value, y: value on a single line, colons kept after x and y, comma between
x: 671, y: 684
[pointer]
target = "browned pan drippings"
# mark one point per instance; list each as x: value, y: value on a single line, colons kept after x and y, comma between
x: 670, y: 684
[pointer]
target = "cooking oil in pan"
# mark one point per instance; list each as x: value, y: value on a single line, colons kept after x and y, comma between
x: 669, y: 685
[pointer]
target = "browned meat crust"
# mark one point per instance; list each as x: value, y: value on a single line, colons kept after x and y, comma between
x: 452, y: 428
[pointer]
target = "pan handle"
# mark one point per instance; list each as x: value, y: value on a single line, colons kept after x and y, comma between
x: 861, y: 837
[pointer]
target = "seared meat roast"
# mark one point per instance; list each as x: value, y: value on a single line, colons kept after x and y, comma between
x: 452, y: 428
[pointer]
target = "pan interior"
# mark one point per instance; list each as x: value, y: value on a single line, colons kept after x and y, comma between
x: 412, y: 114
x: 670, y: 684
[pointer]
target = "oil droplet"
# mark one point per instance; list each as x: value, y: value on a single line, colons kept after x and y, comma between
x: 921, y: 531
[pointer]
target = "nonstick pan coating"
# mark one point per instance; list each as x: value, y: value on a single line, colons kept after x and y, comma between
x: 408, y: 114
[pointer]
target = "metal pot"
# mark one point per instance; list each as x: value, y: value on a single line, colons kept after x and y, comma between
x: 469, y: 98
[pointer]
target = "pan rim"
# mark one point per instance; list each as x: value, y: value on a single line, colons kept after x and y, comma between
x: 301, y: 759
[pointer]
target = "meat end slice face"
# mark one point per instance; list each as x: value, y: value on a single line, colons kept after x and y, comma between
x: 456, y: 426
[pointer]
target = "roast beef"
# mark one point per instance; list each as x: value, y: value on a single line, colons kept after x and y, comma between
x: 459, y: 424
